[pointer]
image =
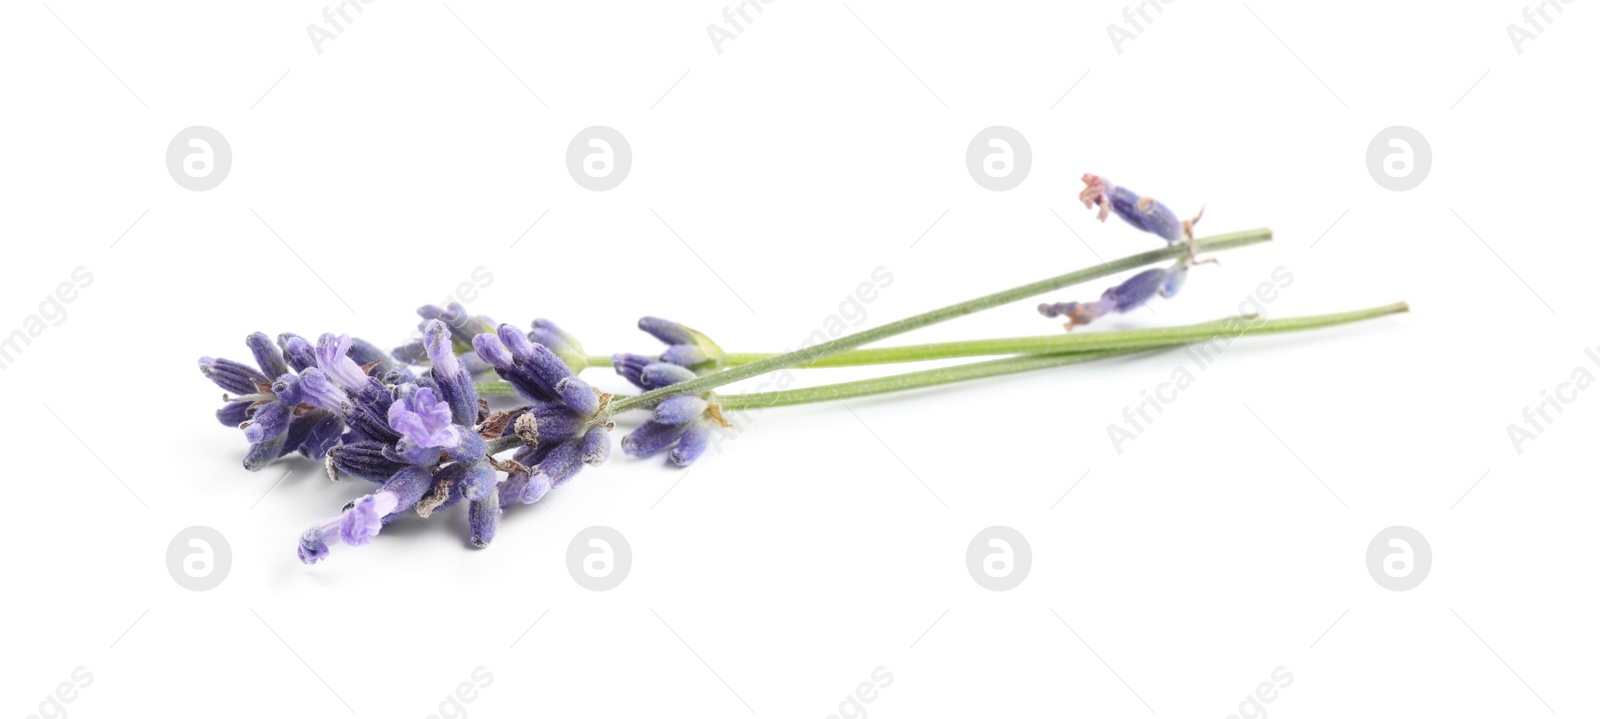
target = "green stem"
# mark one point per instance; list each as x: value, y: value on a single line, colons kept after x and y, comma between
x: 811, y: 354
x: 1150, y: 339
x: 910, y: 380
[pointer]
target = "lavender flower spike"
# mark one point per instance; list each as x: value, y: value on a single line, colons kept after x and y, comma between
x: 1132, y: 293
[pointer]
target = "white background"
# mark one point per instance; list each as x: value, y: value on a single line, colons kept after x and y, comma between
x: 773, y: 577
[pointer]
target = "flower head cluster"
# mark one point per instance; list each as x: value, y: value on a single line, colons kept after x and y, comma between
x: 683, y: 423
x: 563, y: 429
x: 270, y: 402
x: 1146, y: 214
x: 416, y: 438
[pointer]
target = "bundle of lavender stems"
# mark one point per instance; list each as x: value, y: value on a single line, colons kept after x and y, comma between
x: 415, y: 421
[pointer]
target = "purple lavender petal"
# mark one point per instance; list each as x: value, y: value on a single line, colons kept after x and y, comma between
x: 436, y: 339
x: 651, y: 438
x: 490, y: 349
x: 479, y: 480
x: 662, y: 374
x: 298, y: 351
x: 483, y: 518
x: 235, y: 377
x: 365, y: 460
x: 270, y: 420
x: 680, y: 409
x: 667, y: 331
x: 692, y: 444
x: 318, y: 391
x: 424, y: 420
x: 333, y: 359
x: 596, y: 445
x: 684, y: 355
x: 268, y: 357
x: 234, y: 414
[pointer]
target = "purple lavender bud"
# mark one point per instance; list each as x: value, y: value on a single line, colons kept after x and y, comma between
x: 546, y: 423
x: 544, y: 325
x: 685, y: 355
x: 510, y: 491
x: 578, y: 395
x: 298, y: 351
x: 475, y: 366
x: 667, y: 331
x: 436, y: 340
x: 1144, y: 213
x: 492, y: 350
x: 663, y: 374
x: 365, y: 460
x: 692, y: 444
x: 515, y: 341
x: 424, y: 420
x: 333, y: 360
x: 483, y: 518
x: 537, y: 487
x: 1136, y: 291
x: 407, y: 487
x: 471, y: 448
x: 262, y: 453
x: 651, y: 438
x: 1132, y: 293
x: 361, y: 522
x: 631, y: 367
x: 316, y: 390
x: 234, y: 414
x: 543, y: 364
x: 460, y: 321
x: 235, y: 377
x: 365, y: 353
x: 270, y: 420
x: 479, y: 480
x: 314, y: 434
x: 287, y: 390
x: 411, y: 352
x: 680, y: 409
x: 564, y: 461
x: 268, y: 357
x: 596, y: 445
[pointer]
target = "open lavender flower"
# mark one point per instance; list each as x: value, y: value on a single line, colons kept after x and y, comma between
x: 1131, y: 294
x: 417, y: 439
x: 268, y: 405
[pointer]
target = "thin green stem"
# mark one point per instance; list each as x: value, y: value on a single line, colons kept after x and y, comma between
x: 910, y: 380
x: 815, y: 352
x: 1223, y: 331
